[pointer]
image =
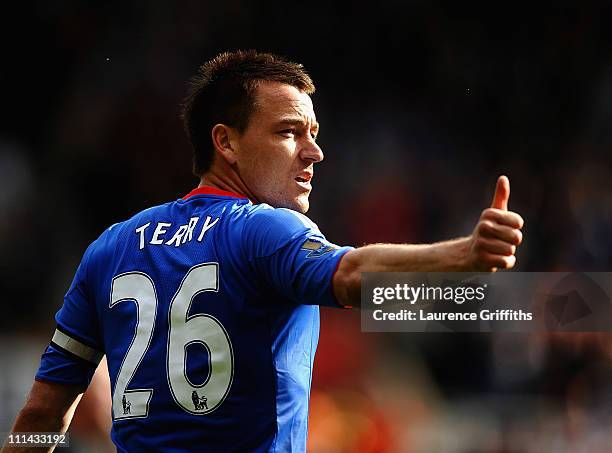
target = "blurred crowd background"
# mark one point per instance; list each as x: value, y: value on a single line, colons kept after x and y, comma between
x: 421, y: 104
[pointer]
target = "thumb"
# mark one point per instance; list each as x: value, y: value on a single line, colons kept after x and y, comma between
x: 502, y: 193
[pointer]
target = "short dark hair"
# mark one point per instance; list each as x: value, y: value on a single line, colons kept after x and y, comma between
x: 223, y: 91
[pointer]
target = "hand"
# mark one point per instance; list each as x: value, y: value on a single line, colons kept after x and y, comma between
x: 497, y: 234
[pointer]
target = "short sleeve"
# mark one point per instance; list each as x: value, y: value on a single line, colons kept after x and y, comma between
x: 292, y: 255
x: 75, y: 349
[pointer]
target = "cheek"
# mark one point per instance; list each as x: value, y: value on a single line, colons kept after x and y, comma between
x: 278, y: 157
x: 270, y: 163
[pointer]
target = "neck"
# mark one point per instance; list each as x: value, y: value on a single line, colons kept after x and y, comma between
x: 226, y: 178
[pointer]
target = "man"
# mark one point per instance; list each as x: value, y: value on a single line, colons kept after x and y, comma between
x: 217, y: 293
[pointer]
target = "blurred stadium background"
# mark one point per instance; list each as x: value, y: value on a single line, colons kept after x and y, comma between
x: 422, y: 105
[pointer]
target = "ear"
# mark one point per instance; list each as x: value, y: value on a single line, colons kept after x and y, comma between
x: 224, y: 141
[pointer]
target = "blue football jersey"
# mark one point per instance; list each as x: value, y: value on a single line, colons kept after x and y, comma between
x: 207, y: 311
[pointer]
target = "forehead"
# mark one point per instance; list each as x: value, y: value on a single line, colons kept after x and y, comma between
x: 274, y: 99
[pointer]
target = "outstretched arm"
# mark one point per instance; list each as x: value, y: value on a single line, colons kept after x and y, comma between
x: 49, y: 408
x: 491, y: 245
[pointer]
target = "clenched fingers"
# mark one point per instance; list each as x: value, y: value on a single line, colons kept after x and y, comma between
x: 495, y: 246
x: 491, y: 261
x: 508, y: 218
x: 494, y: 230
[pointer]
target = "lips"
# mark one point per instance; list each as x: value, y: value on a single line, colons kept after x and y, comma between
x: 304, y: 177
x: 303, y: 181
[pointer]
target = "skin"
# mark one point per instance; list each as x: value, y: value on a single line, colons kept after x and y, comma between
x: 272, y: 161
x: 49, y: 408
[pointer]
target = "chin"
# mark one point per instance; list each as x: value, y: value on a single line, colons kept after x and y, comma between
x: 302, y: 208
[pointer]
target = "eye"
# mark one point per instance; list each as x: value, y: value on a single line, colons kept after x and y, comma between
x: 287, y: 132
x: 314, y: 136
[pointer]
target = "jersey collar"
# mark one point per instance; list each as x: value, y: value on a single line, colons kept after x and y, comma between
x: 207, y: 190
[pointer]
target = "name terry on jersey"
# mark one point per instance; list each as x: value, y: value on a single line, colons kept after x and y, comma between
x: 183, y: 235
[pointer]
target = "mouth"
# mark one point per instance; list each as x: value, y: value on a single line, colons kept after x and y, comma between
x: 303, y: 180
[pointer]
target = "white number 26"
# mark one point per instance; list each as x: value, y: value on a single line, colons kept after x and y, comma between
x: 184, y: 330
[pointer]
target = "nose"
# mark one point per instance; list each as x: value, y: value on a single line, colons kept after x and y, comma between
x: 311, y: 151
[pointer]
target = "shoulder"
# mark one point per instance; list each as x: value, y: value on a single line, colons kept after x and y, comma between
x: 283, y: 219
x: 267, y: 229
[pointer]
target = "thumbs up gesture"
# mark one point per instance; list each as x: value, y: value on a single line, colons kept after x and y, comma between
x: 497, y: 234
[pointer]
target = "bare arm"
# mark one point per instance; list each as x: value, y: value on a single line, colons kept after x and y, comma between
x: 49, y: 408
x: 491, y: 245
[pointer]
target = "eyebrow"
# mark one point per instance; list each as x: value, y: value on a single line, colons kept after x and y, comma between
x: 297, y: 122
